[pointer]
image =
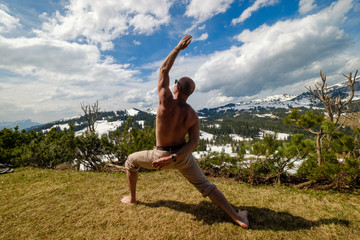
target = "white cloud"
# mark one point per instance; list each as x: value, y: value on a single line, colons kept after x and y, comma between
x: 256, y: 6
x: 7, y: 22
x: 202, y: 27
x: 60, y: 60
x: 51, y: 76
x: 202, y: 11
x: 183, y: 66
x: 203, y: 37
x: 143, y: 98
x: 219, y: 100
x: 99, y: 23
x: 136, y: 42
x: 306, y: 6
x: 270, y: 56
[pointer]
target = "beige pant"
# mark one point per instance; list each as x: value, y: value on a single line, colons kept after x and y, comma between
x: 187, y: 166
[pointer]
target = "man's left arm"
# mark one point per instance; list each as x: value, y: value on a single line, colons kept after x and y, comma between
x: 194, y: 134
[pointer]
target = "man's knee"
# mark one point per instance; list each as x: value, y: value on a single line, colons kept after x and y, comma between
x: 205, y: 187
x: 208, y: 189
x: 130, y: 164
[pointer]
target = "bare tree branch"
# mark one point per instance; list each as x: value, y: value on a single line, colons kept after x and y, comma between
x: 90, y: 114
x: 334, y: 106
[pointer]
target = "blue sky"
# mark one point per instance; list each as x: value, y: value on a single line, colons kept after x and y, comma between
x: 57, y: 54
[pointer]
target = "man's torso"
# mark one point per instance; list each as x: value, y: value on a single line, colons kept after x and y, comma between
x: 173, y: 122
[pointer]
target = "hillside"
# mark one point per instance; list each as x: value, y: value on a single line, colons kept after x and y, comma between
x: 52, y: 204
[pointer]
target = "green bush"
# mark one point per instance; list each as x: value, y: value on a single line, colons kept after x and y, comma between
x: 89, y: 151
x: 36, y: 149
x: 131, y: 140
x: 220, y: 164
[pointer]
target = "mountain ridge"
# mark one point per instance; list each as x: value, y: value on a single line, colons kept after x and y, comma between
x: 276, y: 101
x: 22, y: 124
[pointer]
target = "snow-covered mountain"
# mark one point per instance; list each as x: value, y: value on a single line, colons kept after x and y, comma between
x: 107, y: 122
x: 285, y: 101
x: 22, y: 124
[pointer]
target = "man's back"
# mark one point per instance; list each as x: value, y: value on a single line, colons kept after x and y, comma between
x: 173, y: 122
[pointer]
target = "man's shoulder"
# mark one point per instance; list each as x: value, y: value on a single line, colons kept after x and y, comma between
x: 192, y: 114
x: 192, y: 109
x: 165, y: 96
x: 188, y: 108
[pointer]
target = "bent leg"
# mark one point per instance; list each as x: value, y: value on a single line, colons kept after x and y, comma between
x: 134, y: 161
x: 131, y: 179
x: 219, y: 199
x: 132, y: 165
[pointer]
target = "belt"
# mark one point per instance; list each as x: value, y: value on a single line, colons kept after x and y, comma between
x: 171, y: 149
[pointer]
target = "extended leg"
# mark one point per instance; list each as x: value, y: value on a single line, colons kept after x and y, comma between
x: 192, y: 172
x: 219, y: 199
x: 132, y: 179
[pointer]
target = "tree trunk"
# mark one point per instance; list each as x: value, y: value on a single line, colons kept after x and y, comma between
x: 318, y: 148
x: 305, y: 184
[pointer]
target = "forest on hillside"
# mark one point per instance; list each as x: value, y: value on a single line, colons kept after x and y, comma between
x: 270, y: 163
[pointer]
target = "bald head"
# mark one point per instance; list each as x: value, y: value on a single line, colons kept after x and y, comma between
x: 187, y: 85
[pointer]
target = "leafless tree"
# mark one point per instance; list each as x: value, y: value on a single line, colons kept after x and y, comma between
x: 90, y: 114
x: 334, y: 106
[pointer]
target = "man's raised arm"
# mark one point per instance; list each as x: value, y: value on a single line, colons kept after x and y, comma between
x: 169, y: 61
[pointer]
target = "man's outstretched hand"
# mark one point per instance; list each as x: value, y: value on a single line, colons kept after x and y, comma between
x: 184, y: 42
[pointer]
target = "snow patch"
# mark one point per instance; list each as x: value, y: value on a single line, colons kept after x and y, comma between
x: 266, y: 115
x: 61, y: 126
x: 206, y: 136
x: 213, y: 148
x: 132, y: 112
x: 279, y: 136
x: 236, y: 137
x: 141, y: 123
x: 152, y: 111
x: 103, y: 127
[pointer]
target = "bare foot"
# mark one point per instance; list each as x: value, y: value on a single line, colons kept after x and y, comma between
x: 127, y: 200
x: 243, y: 219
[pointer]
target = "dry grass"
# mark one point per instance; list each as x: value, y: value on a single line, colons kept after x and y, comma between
x: 52, y: 204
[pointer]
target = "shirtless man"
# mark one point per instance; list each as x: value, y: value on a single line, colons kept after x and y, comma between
x: 175, y: 118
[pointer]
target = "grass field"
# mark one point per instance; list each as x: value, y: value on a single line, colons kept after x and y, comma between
x: 53, y: 204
